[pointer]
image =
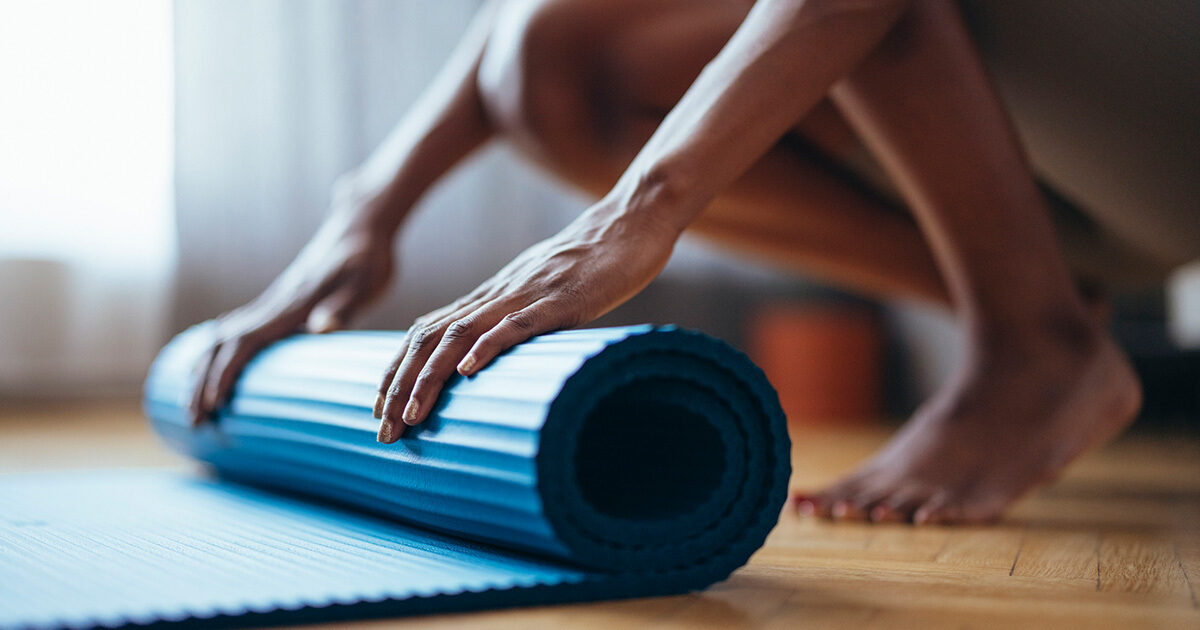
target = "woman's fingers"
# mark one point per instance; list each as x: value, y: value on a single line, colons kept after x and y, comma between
x: 388, y: 376
x: 335, y: 311
x: 422, y: 323
x: 222, y: 365
x: 225, y: 369
x: 340, y: 272
x: 196, y: 412
x: 591, y: 266
x: 465, y: 343
x: 421, y: 344
x: 456, y: 340
x: 342, y: 301
x: 540, y: 317
x: 224, y: 361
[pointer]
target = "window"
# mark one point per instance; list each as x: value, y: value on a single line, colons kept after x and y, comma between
x: 86, y: 244
x: 85, y: 132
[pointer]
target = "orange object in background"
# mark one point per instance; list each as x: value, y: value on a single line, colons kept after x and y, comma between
x: 825, y: 360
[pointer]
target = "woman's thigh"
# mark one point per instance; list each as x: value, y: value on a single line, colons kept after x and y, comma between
x: 1107, y: 102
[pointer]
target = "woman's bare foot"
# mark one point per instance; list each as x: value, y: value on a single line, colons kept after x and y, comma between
x: 1011, y: 421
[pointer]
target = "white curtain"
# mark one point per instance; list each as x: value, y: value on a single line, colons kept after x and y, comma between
x: 277, y: 98
x: 85, y: 193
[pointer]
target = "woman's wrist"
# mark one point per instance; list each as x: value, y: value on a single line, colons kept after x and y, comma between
x: 366, y: 206
x: 665, y: 195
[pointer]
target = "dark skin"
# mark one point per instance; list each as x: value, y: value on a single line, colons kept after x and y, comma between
x: 671, y: 148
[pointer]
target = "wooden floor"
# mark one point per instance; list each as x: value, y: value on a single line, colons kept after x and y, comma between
x: 1115, y: 544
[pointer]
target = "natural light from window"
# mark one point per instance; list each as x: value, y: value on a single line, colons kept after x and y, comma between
x: 86, y: 133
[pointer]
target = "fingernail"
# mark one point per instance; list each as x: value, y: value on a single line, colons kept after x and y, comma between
x: 879, y: 513
x: 378, y: 411
x: 330, y: 324
x: 840, y: 509
x: 201, y: 417
x: 468, y: 364
x: 806, y: 508
x: 385, y: 432
x: 410, y: 411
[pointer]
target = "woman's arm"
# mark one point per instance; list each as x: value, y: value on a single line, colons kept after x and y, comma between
x: 348, y: 263
x: 779, y: 64
x: 446, y: 124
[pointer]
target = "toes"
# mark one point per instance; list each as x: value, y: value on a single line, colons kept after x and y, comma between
x: 899, y: 507
x: 866, y: 498
x: 819, y: 504
x: 887, y: 513
x: 823, y: 503
x: 844, y: 510
x: 804, y: 504
x: 872, y: 496
x: 851, y: 499
x: 859, y: 506
x: 826, y: 504
x: 936, y: 511
x: 961, y: 509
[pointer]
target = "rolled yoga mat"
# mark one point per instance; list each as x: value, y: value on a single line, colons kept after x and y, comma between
x: 580, y: 465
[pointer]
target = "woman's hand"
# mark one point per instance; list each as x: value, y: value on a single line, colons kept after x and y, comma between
x: 345, y: 267
x: 597, y: 262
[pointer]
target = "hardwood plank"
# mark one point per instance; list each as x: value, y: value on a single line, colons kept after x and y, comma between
x: 800, y: 612
x: 796, y: 532
x: 733, y: 605
x: 627, y: 613
x: 967, y: 594
x: 1062, y: 556
x: 895, y: 541
x: 105, y: 434
x: 1036, y: 618
x: 1187, y: 552
x: 982, y: 547
x: 1149, y: 565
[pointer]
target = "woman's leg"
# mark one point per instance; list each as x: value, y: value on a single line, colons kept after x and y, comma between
x: 1040, y: 381
x: 582, y: 84
x: 579, y: 86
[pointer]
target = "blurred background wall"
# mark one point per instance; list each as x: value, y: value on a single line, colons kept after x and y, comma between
x: 86, y: 236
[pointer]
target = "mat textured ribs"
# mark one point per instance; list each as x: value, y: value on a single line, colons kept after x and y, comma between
x: 588, y: 464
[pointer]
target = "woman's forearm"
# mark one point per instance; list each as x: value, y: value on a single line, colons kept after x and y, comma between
x: 348, y: 263
x: 446, y: 124
x: 778, y: 65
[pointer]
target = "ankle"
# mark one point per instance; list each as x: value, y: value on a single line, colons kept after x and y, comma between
x: 1055, y: 336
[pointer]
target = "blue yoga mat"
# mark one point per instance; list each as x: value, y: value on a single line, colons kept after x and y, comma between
x: 580, y: 465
